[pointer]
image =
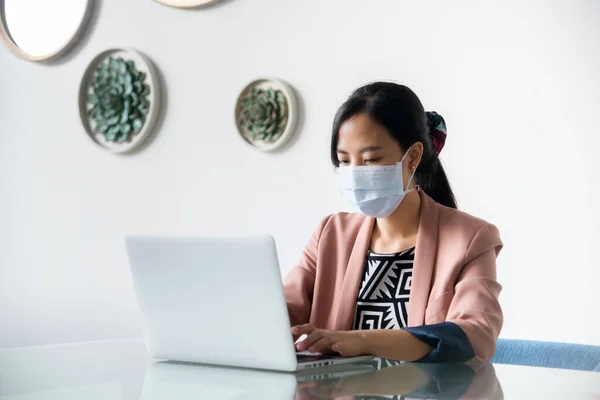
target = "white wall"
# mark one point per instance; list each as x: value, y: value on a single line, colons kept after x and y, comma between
x: 517, y: 82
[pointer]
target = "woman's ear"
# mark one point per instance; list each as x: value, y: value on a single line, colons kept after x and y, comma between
x: 415, y: 155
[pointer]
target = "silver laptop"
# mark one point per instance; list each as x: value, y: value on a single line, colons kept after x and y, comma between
x: 216, y: 301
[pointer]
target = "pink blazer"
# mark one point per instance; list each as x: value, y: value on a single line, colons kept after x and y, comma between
x: 454, y: 274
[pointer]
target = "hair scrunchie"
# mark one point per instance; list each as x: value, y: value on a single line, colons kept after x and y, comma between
x: 437, y: 130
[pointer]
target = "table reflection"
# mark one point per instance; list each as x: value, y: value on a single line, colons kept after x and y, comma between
x: 380, y: 379
x: 392, y: 380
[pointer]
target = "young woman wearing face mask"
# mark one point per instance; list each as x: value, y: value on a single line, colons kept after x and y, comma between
x: 408, y: 276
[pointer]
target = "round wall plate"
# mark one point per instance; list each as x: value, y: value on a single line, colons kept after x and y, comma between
x: 140, y: 130
x: 277, y: 114
x: 187, y: 3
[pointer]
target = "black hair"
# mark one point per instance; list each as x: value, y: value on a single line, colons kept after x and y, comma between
x: 400, y: 111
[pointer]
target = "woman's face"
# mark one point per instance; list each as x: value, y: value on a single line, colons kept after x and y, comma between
x: 364, y: 142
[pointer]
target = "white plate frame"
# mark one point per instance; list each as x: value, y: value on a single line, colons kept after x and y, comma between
x: 187, y: 3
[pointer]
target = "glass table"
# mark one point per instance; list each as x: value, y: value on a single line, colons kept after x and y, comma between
x: 121, y: 369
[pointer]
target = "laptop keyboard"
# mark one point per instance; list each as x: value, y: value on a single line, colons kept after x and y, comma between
x: 305, y: 358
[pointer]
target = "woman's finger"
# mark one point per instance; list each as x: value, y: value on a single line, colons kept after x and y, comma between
x: 300, y: 330
x: 346, y: 348
x: 322, y: 345
x: 310, y: 340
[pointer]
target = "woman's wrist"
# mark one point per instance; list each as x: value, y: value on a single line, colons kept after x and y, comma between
x: 364, y: 340
x: 396, y: 344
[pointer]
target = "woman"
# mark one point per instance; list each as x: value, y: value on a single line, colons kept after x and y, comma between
x: 408, y: 277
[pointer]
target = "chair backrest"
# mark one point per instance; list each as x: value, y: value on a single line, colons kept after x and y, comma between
x: 548, y: 354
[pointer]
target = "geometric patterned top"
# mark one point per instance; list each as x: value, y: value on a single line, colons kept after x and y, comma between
x: 382, y: 301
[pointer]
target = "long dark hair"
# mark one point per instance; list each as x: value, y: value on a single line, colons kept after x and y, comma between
x: 398, y: 108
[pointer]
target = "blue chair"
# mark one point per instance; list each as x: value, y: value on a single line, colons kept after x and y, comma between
x: 548, y: 354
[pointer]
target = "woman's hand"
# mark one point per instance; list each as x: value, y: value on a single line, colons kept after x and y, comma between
x: 395, y: 344
x: 346, y: 343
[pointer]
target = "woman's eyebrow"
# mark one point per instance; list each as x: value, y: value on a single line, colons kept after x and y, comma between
x: 363, y: 150
x: 370, y: 148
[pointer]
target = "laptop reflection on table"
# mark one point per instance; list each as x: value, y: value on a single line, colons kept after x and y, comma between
x: 172, y: 380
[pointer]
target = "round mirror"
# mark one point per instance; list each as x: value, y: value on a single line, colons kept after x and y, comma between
x: 39, y: 30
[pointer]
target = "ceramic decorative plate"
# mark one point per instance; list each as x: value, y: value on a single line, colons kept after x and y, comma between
x: 119, y: 100
x: 266, y: 113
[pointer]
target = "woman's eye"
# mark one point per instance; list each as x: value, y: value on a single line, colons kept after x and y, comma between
x: 372, y: 160
x: 344, y: 162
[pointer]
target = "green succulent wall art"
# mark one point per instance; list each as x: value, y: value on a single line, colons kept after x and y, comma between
x: 263, y: 114
x: 118, y: 101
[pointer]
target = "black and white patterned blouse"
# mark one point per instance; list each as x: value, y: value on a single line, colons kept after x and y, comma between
x: 384, y: 293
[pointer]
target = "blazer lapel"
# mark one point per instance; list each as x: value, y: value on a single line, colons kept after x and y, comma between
x: 426, y: 251
x: 353, y: 277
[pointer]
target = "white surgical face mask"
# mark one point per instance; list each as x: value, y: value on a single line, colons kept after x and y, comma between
x: 374, y: 191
